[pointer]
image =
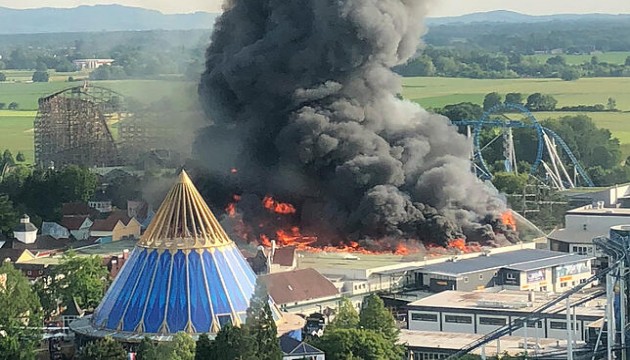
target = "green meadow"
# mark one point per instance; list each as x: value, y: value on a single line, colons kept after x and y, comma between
x: 16, y: 127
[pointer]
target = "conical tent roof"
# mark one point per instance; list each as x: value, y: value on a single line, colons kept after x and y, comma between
x: 185, y: 274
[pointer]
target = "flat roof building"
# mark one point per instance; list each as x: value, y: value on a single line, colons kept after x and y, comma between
x: 483, y: 312
x: 527, y: 269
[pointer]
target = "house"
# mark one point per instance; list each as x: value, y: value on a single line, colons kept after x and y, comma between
x: 78, y: 226
x: 283, y: 259
x: 77, y: 208
x: 303, y: 291
x: 293, y: 349
x: 101, y: 202
x: 527, y: 269
x: 116, y: 226
x: 55, y: 230
x: 90, y: 64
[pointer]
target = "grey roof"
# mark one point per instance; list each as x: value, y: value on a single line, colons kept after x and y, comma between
x: 573, y: 236
x: 24, y: 227
x: 497, y: 261
x: 545, y: 263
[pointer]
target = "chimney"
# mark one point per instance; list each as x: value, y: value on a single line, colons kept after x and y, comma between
x: 126, y: 254
x: 273, y: 250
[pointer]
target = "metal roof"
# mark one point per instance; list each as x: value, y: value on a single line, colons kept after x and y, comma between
x: 574, y: 236
x: 545, y: 263
x: 501, y: 260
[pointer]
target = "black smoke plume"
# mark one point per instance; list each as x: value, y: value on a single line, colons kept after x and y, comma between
x: 305, y: 107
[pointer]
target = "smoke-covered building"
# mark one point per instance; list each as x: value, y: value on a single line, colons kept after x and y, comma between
x: 184, y: 275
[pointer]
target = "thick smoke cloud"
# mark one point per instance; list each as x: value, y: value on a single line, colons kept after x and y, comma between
x: 305, y: 106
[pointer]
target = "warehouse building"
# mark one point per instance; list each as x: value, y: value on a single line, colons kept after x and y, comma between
x: 527, y: 269
x: 484, y: 312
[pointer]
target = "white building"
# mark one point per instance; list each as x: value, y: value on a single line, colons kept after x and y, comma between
x: 584, y: 224
x: 25, y: 232
x: 484, y: 312
x: 90, y: 64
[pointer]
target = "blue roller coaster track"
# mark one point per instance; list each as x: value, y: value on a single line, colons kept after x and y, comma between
x: 487, y: 121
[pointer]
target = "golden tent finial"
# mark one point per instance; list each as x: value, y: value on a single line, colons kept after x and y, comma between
x: 184, y: 221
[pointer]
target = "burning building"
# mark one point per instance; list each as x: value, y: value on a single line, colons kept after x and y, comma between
x: 306, y: 112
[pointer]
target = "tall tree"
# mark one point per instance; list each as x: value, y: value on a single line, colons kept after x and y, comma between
x: 20, y: 315
x: 261, y: 326
x: 540, y: 102
x: 514, y: 98
x: 103, y: 349
x: 375, y: 316
x: 231, y: 343
x: 83, y: 278
x: 148, y: 350
x: 491, y: 100
x: 347, y: 316
x: 350, y: 344
x: 182, y: 347
x: 204, y: 347
x: 8, y: 216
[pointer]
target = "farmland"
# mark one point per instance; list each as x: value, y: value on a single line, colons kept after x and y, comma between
x: 17, y: 135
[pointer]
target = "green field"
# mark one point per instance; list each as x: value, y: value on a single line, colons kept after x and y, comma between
x: 613, y: 57
x: 16, y: 132
x: 17, y: 135
x: 437, y: 92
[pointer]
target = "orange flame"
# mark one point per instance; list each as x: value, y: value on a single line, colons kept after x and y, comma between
x: 230, y: 209
x: 279, y: 208
x: 401, y: 249
x: 459, y: 244
x: 507, y: 218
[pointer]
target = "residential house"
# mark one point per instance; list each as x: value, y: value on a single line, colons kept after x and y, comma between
x: 293, y: 349
x: 78, y: 208
x: 101, y: 202
x: 302, y: 291
x: 55, y: 230
x: 116, y: 226
x: 78, y: 226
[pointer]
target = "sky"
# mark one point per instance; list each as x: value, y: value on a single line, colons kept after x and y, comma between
x: 440, y: 7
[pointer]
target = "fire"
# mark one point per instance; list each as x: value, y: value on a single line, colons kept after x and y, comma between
x: 459, y: 244
x: 507, y: 218
x: 277, y: 207
x: 401, y: 249
x: 230, y: 209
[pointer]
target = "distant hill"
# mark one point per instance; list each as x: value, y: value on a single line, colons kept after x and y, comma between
x: 97, y: 18
x: 504, y: 16
x: 124, y: 18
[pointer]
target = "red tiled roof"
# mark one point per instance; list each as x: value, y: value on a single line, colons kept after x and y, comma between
x: 73, y: 222
x: 298, y: 285
x: 111, y: 221
x: 104, y: 224
x: 77, y: 208
x: 284, y: 256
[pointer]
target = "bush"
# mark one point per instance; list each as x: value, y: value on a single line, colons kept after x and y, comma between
x: 40, y: 76
x: 13, y: 106
x: 3, y: 77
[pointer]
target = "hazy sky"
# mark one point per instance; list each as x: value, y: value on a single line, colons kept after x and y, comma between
x: 441, y: 7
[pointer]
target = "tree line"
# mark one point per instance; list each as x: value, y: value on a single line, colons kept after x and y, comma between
x: 480, y: 64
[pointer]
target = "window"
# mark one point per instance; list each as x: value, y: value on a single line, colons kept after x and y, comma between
x: 510, y: 276
x: 424, y: 317
x: 563, y: 284
x: 543, y: 288
x: 582, y: 281
x: 465, y: 279
x: 480, y: 276
x: 557, y: 325
x: 458, y: 319
x: 491, y: 321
